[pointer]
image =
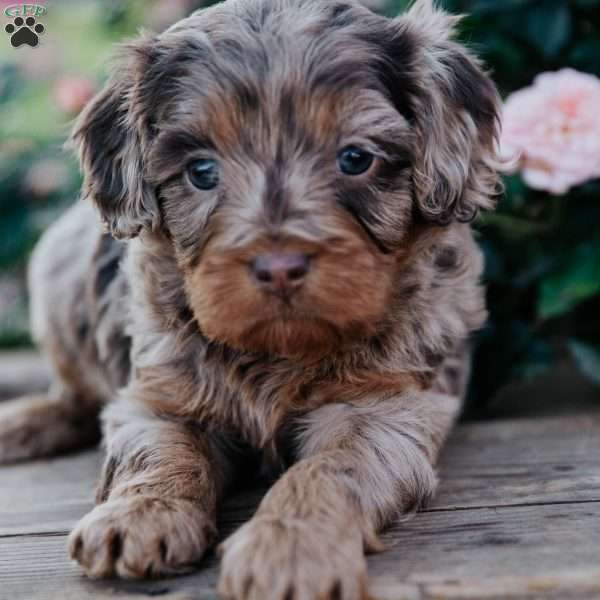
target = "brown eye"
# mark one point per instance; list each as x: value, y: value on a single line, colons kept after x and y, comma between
x: 204, y: 173
x: 354, y: 161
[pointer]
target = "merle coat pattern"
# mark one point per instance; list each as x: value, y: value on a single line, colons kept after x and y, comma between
x: 350, y: 379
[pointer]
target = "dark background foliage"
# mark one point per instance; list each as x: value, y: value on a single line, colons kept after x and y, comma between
x: 543, y: 251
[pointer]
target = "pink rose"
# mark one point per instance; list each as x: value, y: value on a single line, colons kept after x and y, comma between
x: 71, y: 93
x: 554, y: 128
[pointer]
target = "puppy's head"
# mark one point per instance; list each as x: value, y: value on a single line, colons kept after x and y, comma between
x: 288, y: 150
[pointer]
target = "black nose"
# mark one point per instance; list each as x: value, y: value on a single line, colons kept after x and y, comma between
x: 280, y: 273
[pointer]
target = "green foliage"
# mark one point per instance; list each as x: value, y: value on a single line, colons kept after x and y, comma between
x: 37, y: 178
x: 587, y: 358
x: 543, y: 252
x: 573, y: 282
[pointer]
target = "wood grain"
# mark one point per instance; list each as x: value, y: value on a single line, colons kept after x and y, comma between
x: 536, y: 551
x: 502, y: 463
x: 517, y: 517
x: 47, y: 496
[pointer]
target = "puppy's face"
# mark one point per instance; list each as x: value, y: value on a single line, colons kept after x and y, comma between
x: 285, y: 209
x: 283, y: 150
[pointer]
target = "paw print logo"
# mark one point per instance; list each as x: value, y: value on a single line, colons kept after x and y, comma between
x: 24, y: 31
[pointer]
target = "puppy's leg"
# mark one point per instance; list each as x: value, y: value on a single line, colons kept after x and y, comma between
x: 46, y: 424
x: 157, y: 498
x: 360, y: 466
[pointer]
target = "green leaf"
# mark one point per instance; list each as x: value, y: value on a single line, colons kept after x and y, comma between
x: 584, y: 55
x: 587, y: 359
x: 512, y: 227
x: 535, y: 361
x: 497, y: 5
x: 578, y: 280
x: 503, y: 51
x: 547, y: 26
x: 396, y: 7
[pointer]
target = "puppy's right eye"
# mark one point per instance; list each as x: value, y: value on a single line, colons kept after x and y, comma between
x: 355, y: 161
x: 204, y: 173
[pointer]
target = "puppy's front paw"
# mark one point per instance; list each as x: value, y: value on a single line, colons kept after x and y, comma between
x: 141, y: 537
x: 281, y: 559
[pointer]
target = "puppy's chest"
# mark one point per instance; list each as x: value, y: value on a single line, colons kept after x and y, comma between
x: 263, y: 400
x: 260, y: 400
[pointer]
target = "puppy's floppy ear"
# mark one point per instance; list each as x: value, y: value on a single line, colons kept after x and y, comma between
x: 455, y: 110
x: 111, y: 137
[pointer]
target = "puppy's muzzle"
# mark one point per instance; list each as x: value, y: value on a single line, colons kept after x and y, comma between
x: 281, y: 274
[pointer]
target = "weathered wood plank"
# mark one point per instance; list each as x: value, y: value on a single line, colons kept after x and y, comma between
x: 526, y: 461
x: 517, y: 517
x: 37, y: 567
x: 510, y: 553
x: 580, y: 585
x: 476, y: 544
x: 47, y: 496
x: 484, y: 464
x: 50, y: 496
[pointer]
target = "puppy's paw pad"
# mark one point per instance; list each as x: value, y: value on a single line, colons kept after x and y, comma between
x: 292, y: 559
x: 141, y: 537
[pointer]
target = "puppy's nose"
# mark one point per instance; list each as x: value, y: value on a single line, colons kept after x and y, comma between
x: 280, y: 273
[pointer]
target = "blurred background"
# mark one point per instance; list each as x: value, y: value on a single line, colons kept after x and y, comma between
x: 542, y: 245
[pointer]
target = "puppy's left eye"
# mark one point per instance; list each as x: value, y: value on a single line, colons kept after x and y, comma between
x: 204, y: 173
x: 355, y: 161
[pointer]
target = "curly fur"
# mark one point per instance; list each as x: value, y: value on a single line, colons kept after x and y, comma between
x: 353, y: 383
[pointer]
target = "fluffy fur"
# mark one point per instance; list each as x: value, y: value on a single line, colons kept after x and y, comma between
x: 353, y: 382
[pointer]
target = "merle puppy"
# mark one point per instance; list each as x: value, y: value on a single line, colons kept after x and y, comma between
x: 286, y: 272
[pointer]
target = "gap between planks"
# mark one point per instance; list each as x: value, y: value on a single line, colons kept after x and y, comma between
x: 422, y: 511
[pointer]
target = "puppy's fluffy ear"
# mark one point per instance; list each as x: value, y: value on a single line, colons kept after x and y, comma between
x: 455, y: 109
x: 111, y: 136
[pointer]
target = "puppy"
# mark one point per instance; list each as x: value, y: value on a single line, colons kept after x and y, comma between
x: 286, y: 275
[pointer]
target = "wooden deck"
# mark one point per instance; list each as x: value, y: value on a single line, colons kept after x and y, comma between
x: 517, y: 516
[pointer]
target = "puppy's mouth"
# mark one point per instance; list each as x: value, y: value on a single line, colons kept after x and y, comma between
x: 294, y: 300
x: 291, y: 334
